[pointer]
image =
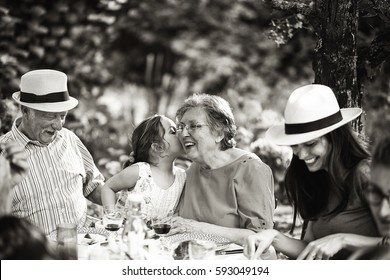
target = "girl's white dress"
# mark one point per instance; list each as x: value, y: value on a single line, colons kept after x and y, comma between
x: 158, y: 202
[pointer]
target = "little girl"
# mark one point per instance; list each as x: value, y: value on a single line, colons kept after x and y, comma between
x: 152, y: 173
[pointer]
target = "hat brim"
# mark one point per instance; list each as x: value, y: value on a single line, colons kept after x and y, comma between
x: 277, y: 135
x: 48, y: 107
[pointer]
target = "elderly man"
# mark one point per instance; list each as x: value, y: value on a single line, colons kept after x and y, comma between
x: 61, y: 170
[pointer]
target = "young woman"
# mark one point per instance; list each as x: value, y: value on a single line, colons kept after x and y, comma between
x: 325, y: 181
x: 152, y: 172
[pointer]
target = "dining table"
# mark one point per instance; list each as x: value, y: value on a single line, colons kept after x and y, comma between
x: 93, y: 244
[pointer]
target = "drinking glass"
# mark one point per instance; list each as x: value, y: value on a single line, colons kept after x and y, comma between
x: 161, y: 226
x: 67, y: 241
x: 201, y: 249
x: 112, y: 221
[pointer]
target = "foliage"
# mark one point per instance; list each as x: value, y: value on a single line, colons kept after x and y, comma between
x: 372, y: 66
x: 8, y: 112
x: 52, y: 34
x: 171, y: 47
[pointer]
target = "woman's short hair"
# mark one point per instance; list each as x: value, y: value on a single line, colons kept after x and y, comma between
x: 219, y: 115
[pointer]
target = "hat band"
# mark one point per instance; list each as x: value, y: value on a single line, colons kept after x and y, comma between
x: 297, y: 128
x: 47, y: 98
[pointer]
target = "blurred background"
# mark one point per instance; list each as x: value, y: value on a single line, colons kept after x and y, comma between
x: 128, y: 59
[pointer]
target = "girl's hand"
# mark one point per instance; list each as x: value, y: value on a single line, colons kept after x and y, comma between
x: 258, y: 243
x: 323, y: 248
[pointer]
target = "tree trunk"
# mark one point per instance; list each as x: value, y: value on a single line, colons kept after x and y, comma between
x: 335, y: 56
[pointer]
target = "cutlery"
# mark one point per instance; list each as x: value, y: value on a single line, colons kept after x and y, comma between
x: 230, y: 252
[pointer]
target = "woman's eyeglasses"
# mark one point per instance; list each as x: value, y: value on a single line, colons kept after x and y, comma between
x: 190, y: 127
x: 375, y: 196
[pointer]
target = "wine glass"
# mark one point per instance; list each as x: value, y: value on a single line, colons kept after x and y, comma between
x: 112, y: 221
x: 162, y: 226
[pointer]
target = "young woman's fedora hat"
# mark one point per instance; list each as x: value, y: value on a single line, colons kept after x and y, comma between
x: 45, y: 90
x: 311, y: 111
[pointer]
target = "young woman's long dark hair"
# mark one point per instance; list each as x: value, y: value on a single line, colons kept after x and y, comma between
x: 308, y: 192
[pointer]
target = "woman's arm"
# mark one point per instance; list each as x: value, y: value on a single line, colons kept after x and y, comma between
x: 235, y: 235
x: 258, y: 243
x: 126, y: 179
x: 254, y: 193
x: 290, y: 247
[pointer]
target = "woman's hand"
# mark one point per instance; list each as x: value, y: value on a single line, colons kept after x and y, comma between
x: 258, y: 243
x: 323, y: 248
x: 181, y: 225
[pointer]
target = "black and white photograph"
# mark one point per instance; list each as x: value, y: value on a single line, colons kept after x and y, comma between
x: 187, y: 139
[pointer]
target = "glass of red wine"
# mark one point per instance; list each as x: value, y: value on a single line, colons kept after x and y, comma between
x: 112, y: 221
x: 162, y: 226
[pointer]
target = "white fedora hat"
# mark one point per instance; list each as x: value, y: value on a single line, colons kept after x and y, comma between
x: 45, y: 90
x: 311, y: 111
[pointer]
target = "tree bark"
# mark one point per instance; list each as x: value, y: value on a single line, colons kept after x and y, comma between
x: 335, y: 57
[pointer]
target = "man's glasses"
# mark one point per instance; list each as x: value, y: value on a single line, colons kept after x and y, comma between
x: 190, y: 127
x: 375, y: 196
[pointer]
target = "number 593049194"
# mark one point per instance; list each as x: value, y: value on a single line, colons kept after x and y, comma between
x: 244, y: 270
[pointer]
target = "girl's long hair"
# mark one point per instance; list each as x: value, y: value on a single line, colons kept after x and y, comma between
x: 308, y: 192
x: 149, y: 131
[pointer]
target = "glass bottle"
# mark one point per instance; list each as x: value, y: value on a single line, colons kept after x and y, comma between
x: 135, y: 229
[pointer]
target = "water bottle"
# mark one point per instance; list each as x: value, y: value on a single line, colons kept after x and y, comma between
x: 135, y: 229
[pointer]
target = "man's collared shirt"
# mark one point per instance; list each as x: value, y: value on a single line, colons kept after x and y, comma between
x: 59, y: 178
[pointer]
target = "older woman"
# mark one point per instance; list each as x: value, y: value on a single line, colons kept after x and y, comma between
x: 229, y: 192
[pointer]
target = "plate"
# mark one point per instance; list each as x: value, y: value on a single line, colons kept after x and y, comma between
x: 222, y: 242
x: 95, y: 235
